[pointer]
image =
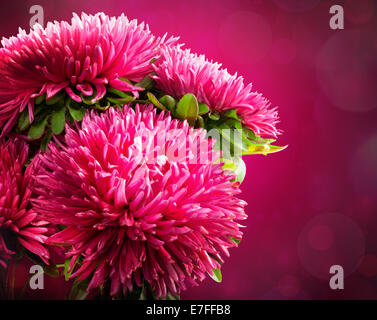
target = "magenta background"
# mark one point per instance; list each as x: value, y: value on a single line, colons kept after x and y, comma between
x: 314, y: 204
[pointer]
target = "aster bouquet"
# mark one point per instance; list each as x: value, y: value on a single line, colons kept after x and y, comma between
x: 123, y: 151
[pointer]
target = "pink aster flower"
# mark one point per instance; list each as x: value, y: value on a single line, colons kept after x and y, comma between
x: 19, y: 223
x: 80, y: 58
x: 131, y: 209
x: 180, y: 72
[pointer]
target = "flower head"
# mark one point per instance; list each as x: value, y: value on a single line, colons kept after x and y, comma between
x: 19, y: 223
x: 180, y: 72
x: 80, y: 58
x: 133, y: 208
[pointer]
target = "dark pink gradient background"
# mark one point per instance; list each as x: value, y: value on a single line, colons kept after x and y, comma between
x: 314, y: 204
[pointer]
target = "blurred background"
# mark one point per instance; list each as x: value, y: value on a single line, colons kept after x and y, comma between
x: 313, y: 205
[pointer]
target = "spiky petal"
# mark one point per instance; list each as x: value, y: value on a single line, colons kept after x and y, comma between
x: 135, y: 209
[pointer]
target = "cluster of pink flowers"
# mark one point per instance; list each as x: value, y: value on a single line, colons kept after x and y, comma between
x: 129, y: 211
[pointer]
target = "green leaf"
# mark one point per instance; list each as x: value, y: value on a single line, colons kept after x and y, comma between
x: 240, y: 170
x: 148, y: 293
x: 58, y: 120
x: 187, y: 108
x: 200, y: 122
x: 228, y: 164
x: 121, y: 101
x: 40, y: 109
x: 169, y: 296
x: 92, y: 99
x: 66, y: 267
x: 77, y: 114
x: 216, y: 275
x: 203, y: 109
x: 155, y: 101
x: 46, y: 140
x: 214, y: 116
x: 263, y: 149
x: 97, y: 106
x: 234, y: 137
x: 236, y: 165
x: 87, y: 100
x: 253, y: 144
x: 55, y: 98
x: 40, y: 99
x: 233, y: 124
x: 135, y: 294
x: 236, y: 241
x: 249, y: 134
x: 231, y: 113
x: 65, y: 272
x: 249, y: 142
x: 168, y: 101
x: 37, y: 129
x: 118, y: 92
x: 143, y: 292
x: 261, y: 141
x: 123, y: 97
x: 78, y: 291
x: 147, y: 83
x: 125, y: 80
x: 23, y: 120
x: 51, y: 271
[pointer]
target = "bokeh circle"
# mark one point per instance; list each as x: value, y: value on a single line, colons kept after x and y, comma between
x: 359, y: 12
x: 330, y: 239
x: 345, y: 73
x: 363, y: 168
